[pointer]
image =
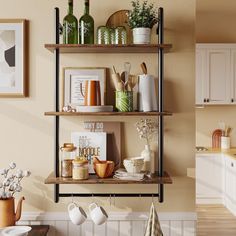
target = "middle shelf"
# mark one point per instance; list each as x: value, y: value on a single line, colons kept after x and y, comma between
x: 152, y: 113
x: 93, y: 179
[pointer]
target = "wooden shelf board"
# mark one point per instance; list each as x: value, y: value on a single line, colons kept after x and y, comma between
x: 98, y: 48
x: 93, y: 179
x: 52, y: 113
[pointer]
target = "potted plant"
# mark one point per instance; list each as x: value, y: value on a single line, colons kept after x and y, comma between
x: 141, y: 20
x: 9, y: 185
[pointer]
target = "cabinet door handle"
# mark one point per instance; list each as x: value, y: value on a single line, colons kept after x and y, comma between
x: 232, y: 100
x: 232, y: 164
x: 204, y: 100
x: 208, y: 100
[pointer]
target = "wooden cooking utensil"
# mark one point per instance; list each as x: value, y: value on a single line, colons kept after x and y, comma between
x: 144, y: 68
x: 122, y: 77
x: 120, y: 18
x: 116, y: 80
x: 133, y: 80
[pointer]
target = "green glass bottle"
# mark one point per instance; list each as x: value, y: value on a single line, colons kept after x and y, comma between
x: 86, y: 26
x: 70, y: 26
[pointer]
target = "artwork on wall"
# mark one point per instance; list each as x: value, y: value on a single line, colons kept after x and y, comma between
x: 89, y: 145
x: 74, y: 82
x: 13, y: 58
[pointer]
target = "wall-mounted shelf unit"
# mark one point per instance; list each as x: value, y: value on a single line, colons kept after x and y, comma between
x: 161, y: 177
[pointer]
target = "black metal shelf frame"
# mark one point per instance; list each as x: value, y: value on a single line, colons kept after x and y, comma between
x: 160, y: 194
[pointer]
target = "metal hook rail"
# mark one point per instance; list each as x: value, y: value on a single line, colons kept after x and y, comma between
x: 160, y: 194
x: 108, y: 195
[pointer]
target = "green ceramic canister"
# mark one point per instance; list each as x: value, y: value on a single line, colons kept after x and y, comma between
x: 124, y: 101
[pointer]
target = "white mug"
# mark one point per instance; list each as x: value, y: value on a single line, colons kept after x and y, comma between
x: 76, y: 213
x: 147, y: 93
x: 97, y: 214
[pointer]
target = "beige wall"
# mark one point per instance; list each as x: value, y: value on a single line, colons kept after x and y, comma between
x: 215, y: 23
x: 27, y: 135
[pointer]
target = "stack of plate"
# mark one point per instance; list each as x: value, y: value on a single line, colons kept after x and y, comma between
x: 94, y: 108
x: 123, y: 175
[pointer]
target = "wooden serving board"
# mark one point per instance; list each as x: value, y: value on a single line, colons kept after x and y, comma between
x: 120, y: 18
x: 216, y: 135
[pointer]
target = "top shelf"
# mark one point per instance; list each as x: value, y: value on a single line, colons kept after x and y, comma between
x: 98, y: 48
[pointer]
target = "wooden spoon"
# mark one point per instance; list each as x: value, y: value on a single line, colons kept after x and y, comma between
x: 133, y: 80
x: 144, y: 68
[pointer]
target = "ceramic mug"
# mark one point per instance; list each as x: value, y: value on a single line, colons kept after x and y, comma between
x: 97, y: 214
x: 92, y: 93
x: 76, y: 213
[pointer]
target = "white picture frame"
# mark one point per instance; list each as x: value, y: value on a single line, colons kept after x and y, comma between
x: 14, y: 58
x: 74, y: 76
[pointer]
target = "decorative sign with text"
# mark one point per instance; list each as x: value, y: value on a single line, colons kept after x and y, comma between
x: 89, y: 145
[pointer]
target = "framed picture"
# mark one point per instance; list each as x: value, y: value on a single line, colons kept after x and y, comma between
x: 74, y: 81
x: 90, y: 144
x: 14, y: 58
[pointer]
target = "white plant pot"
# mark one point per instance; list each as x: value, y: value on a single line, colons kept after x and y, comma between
x: 141, y: 35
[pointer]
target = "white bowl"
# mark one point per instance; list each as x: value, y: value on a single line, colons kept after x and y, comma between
x: 133, y: 164
x: 16, y: 231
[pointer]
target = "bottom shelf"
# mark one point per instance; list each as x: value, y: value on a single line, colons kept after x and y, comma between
x: 93, y: 179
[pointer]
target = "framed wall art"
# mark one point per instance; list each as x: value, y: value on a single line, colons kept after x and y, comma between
x: 74, y: 80
x: 13, y: 58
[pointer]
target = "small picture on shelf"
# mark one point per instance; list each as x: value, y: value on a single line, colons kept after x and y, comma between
x: 75, y: 80
x: 90, y: 145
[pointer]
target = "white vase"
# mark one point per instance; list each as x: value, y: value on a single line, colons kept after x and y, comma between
x: 148, y: 156
x: 141, y: 35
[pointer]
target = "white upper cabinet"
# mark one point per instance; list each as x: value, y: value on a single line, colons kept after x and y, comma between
x: 200, y: 75
x: 214, y: 74
x: 233, y: 76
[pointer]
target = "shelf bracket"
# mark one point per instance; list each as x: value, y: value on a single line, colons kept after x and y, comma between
x: 160, y: 102
x: 57, y: 89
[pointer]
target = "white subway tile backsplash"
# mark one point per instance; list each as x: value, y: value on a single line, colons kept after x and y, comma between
x: 118, y: 224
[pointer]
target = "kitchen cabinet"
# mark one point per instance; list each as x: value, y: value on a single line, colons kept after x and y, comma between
x: 209, y: 178
x: 213, y: 74
x: 233, y: 76
x: 230, y: 184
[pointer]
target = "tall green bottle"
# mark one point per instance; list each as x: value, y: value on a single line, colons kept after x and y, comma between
x: 70, y: 26
x: 86, y: 26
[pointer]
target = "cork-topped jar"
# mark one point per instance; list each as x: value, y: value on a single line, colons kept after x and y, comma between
x: 80, y: 169
x: 67, y: 155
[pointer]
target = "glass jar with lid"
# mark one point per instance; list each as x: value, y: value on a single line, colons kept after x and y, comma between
x: 80, y: 169
x: 68, y: 152
x: 120, y: 35
x: 103, y: 35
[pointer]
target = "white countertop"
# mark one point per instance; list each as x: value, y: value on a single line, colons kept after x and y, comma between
x: 229, y: 152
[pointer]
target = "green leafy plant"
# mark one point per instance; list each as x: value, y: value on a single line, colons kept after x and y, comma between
x: 143, y: 15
